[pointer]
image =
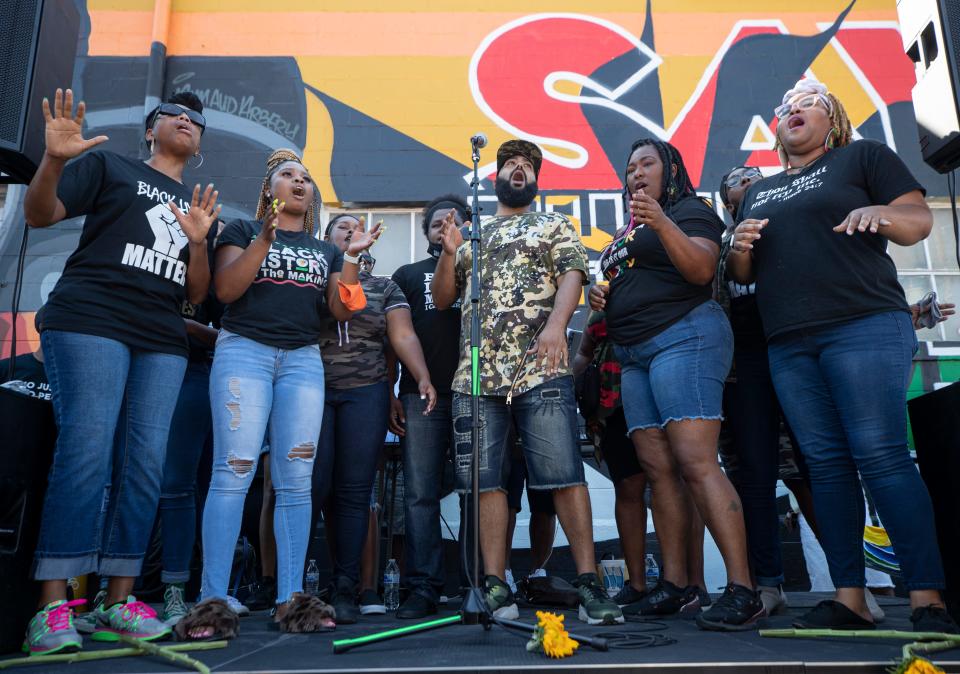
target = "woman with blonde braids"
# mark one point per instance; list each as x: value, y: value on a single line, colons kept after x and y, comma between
x: 841, y: 341
x: 278, y: 282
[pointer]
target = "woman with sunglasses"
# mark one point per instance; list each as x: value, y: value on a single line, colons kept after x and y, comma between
x: 115, y: 349
x: 356, y: 411
x: 674, y: 346
x: 840, y: 340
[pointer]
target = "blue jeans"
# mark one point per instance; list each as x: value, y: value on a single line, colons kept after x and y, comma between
x: 425, y: 449
x: 679, y: 373
x: 546, y: 421
x: 100, y: 504
x: 178, y: 494
x: 252, y: 387
x: 843, y: 388
x: 351, y: 440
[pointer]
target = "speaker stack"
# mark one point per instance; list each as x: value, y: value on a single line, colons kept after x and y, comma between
x: 38, y: 46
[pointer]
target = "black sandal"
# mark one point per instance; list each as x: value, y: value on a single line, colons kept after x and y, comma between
x: 832, y: 615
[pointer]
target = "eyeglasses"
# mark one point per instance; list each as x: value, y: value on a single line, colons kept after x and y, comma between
x: 804, y: 103
x: 174, y: 110
x: 737, y: 175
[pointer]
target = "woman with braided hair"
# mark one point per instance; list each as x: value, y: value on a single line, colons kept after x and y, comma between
x: 841, y: 342
x: 674, y: 345
x: 279, y: 282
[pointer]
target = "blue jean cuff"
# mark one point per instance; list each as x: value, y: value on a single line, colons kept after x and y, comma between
x: 128, y: 567
x: 61, y: 568
x: 174, y: 576
x: 926, y: 585
x: 770, y: 581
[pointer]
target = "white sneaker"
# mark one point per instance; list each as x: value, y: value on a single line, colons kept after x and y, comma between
x: 538, y: 573
x: 878, y: 615
x: 774, y: 599
x: 237, y: 607
x: 510, y: 581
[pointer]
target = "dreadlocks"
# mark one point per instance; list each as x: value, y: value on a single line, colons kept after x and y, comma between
x: 675, y: 183
x: 839, y: 135
x: 274, y: 161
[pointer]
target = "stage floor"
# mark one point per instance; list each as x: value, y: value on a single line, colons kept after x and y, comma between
x: 461, y: 648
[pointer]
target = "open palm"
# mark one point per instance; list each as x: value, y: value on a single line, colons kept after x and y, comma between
x: 361, y: 241
x: 196, y: 222
x: 64, y: 131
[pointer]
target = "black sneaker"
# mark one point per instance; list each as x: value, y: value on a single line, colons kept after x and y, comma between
x: 933, y: 619
x: 628, y: 595
x: 500, y: 599
x: 371, y: 604
x: 596, y: 606
x: 830, y: 614
x: 665, y: 599
x: 343, y: 599
x: 737, y: 609
x: 263, y: 595
x: 704, y: 598
x: 416, y: 606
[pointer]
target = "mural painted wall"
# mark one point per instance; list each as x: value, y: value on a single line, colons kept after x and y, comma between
x: 382, y: 97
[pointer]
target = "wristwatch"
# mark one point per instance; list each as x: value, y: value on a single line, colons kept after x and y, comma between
x: 355, y: 259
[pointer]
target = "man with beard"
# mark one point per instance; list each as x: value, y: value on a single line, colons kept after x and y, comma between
x: 532, y: 269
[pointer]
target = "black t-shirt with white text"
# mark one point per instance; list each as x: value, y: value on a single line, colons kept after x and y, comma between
x: 285, y: 306
x: 31, y: 372
x: 647, y: 292
x: 807, y: 275
x: 438, y: 331
x: 126, y: 279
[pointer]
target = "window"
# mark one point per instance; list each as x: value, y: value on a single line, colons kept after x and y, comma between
x: 932, y: 265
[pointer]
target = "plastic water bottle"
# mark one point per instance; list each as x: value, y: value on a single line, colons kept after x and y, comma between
x: 652, y: 571
x: 391, y: 586
x: 311, y: 583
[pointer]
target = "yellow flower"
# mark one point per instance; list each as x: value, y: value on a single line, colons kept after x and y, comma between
x: 553, y: 638
x: 917, y: 665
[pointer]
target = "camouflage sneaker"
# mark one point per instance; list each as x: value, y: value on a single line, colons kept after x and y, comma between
x: 86, y: 623
x: 133, y: 619
x: 596, y: 606
x: 500, y: 599
x: 174, y: 607
x: 51, y: 630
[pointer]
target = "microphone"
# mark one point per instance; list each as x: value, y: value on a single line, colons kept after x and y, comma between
x: 478, y: 141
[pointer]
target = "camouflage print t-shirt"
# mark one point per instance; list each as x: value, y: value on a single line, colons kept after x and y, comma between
x: 521, y: 258
x: 352, y: 351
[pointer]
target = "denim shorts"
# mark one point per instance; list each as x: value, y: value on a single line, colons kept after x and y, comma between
x: 546, y: 422
x: 679, y: 373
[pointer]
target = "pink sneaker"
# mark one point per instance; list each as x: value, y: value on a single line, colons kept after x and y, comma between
x: 132, y: 618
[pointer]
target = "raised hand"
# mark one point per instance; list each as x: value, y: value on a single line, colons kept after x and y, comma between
x: 647, y: 210
x: 268, y: 230
x: 450, y: 235
x: 196, y: 222
x: 362, y: 240
x: 746, y: 233
x: 64, y: 131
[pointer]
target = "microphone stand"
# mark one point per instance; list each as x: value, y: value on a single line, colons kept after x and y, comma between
x: 474, y: 609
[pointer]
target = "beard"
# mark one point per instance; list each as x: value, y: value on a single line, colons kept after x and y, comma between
x: 512, y: 197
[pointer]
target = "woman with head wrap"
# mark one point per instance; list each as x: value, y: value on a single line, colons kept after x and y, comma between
x: 841, y: 343
x: 278, y: 282
x: 674, y: 345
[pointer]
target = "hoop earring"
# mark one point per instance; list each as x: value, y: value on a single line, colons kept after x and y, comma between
x: 200, y: 163
x: 828, y: 142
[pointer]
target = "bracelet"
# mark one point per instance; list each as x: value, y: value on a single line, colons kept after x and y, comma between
x: 355, y: 259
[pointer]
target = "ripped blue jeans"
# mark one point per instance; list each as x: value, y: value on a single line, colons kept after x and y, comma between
x: 254, y: 387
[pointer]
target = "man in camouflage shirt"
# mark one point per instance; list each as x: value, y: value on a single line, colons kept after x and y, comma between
x: 533, y: 267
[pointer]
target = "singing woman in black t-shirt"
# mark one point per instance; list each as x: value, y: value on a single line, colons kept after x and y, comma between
x: 279, y: 282
x: 115, y: 349
x: 841, y: 342
x: 674, y: 345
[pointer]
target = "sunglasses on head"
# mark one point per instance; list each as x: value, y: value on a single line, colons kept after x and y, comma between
x: 804, y: 103
x: 738, y: 174
x: 174, y: 110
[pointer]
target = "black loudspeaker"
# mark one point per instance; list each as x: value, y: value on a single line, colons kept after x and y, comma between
x: 931, y: 38
x: 936, y: 436
x: 38, y: 46
x: 26, y: 452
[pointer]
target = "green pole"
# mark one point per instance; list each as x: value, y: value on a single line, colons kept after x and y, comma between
x: 344, y: 645
x: 475, y: 368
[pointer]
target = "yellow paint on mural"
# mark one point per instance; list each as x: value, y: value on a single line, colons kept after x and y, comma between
x: 318, y: 153
x: 832, y: 71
